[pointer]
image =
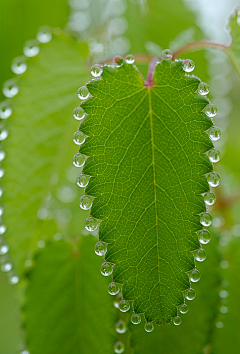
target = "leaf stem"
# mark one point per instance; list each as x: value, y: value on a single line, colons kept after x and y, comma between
x: 198, y: 45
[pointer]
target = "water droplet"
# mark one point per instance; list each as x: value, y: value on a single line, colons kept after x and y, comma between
x: 79, y: 113
x: 25, y: 352
x: 78, y: 160
x: 203, y: 88
x: 188, y: 65
x: 2, y: 155
x: 19, y: 65
x: 6, y: 267
x: 219, y: 324
x: 183, y: 308
x: 204, y: 236
x: 194, y: 275
x: 177, y: 320
x: 10, y: 88
x: 149, y: 326
x: 224, y: 264
x: 130, y: 59
x: 101, y: 249
x: 96, y: 70
x: 3, y: 134
x: 206, y: 219
x: 210, y: 110
x: 2, y: 229
x: 124, y: 306
x: 5, y: 110
x: 1, y: 191
x: 2, y: 171
x: 223, y: 309
x: 213, y: 179
x: 223, y: 294
x: 209, y: 198
x: 4, y: 249
x: 83, y: 93
x: 118, y: 61
x: 78, y: 137
x: 91, y: 224
x: 200, y: 255
x: 44, y: 34
x: 119, y: 347
x: 214, y: 155
x: 214, y: 133
x: 121, y: 327
x: 41, y: 244
x: 190, y: 294
x: 135, y: 318
x: 113, y: 288
x: 83, y: 180
x: 167, y: 54
x: 106, y: 269
x: 117, y: 300
x: 85, y: 202
x: 31, y: 48
x: 14, y: 279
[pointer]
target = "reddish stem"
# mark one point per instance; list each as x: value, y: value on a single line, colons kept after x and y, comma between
x: 151, y: 69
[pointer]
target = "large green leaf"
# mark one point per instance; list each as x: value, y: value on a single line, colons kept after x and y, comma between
x: 146, y: 150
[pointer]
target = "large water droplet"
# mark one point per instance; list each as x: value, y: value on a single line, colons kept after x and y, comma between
x: 91, y: 224
x: 188, y: 65
x: 203, y: 88
x: 214, y: 155
x: 14, y: 279
x: 124, y: 306
x: 167, y: 54
x: 78, y: 160
x: 200, y: 255
x: 10, y: 88
x: 3, y: 134
x: 106, y: 269
x: 83, y: 180
x: 85, y: 202
x: 118, y: 61
x: 214, y: 133
x: 204, y: 236
x: 113, y: 288
x: 194, y: 275
x: 135, y: 318
x: 190, y: 294
x: 78, y: 137
x: 101, y: 249
x: 44, y: 34
x: 96, y: 70
x: 130, y: 59
x: 183, y: 308
x: 119, y: 347
x: 177, y: 320
x: 6, y: 267
x: 149, y: 326
x: 79, y: 113
x: 31, y: 48
x: 213, y: 179
x: 121, y: 327
x: 2, y: 229
x: 206, y: 219
x: 210, y: 110
x: 4, y: 249
x: 209, y: 198
x: 19, y: 65
x: 5, y: 110
x: 83, y: 93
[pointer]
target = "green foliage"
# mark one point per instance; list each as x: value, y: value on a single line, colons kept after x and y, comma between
x: 234, y: 50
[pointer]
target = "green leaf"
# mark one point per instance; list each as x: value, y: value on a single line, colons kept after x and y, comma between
x: 67, y: 304
x: 234, y: 49
x: 146, y: 150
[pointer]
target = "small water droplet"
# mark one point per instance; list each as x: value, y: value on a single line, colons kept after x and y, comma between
x: 5, y: 110
x: 219, y: 324
x: 78, y: 137
x: 91, y: 224
x: 190, y: 294
x: 3, y: 134
x: 204, y: 236
x: 183, y: 308
x: 177, y: 320
x: 2, y: 155
x: 14, y: 279
x: 31, y: 48
x: 167, y: 54
x: 83, y: 180
x: 83, y: 93
x: 136, y: 318
x: 149, y: 326
x: 4, y: 249
x: 78, y: 160
x: 121, y: 327
x: 25, y: 352
x: 124, y: 306
x: 214, y: 155
x: 203, y: 88
x: 6, y: 267
x: 1, y: 191
x: 96, y: 70
x: 118, y: 61
x: 223, y: 294
x: 85, y: 202
x: 10, y: 88
x: 44, y: 34
x: 130, y: 59
x: 188, y: 65
x: 213, y: 179
x: 113, y: 288
x: 223, y: 309
x: 19, y: 65
x: 224, y: 264
x: 41, y: 244
x: 206, y: 219
x: 2, y: 229
x: 214, y: 133
x: 101, y: 249
x: 200, y: 255
x: 79, y: 113
x: 209, y: 198
x: 119, y: 347
x: 194, y: 276
x: 210, y: 110
x: 106, y: 269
